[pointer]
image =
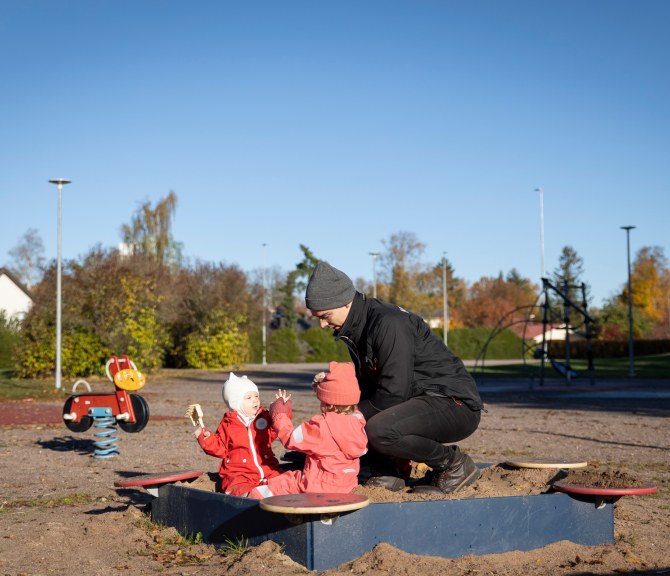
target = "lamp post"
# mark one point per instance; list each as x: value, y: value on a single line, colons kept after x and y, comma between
x: 265, y: 291
x: 445, y: 314
x: 541, y: 191
x: 59, y: 182
x: 631, y: 358
x: 374, y: 273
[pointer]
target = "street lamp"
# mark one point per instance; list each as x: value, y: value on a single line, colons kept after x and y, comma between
x: 59, y: 182
x: 631, y: 360
x: 541, y: 191
x: 374, y: 273
x: 445, y: 314
x: 265, y: 291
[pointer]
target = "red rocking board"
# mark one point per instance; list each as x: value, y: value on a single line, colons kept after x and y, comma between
x: 601, y: 491
x: 152, y: 482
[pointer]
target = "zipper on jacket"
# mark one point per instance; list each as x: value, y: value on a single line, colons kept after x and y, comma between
x: 252, y: 446
x: 352, y: 348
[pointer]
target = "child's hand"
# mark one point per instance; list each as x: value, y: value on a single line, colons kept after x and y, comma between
x: 318, y: 379
x: 204, y: 432
x: 282, y: 394
x: 281, y: 405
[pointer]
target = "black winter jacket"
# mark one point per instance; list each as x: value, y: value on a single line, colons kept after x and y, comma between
x: 397, y: 357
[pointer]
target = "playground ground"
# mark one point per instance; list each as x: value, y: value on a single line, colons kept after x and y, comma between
x: 60, y: 513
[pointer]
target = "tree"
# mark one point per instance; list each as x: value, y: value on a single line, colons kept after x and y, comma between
x: 432, y: 284
x: 149, y: 233
x: 650, y: 282
x: 492, y: 299
x: 111, y: 305
x: 28, y: 258
x: 203, y: 299
x: 568, y: 278
x: 296, y: 282
x: 403, y: 273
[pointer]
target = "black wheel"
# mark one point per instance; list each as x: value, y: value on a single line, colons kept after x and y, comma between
x: 84, y: 423
x: 141, y: 409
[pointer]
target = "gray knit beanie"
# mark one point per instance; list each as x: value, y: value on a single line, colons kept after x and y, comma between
x: 328, y: 288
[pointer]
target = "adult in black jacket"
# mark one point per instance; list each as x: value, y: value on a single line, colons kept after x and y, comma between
x: 416, y: 395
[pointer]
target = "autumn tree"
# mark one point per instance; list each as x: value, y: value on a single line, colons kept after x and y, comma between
x: 211, y: 306
x: 403, y: 279
x: 431, y: 283
x: 111, y: 305
x: 650, y: 296
x: 28, y: 258
x: 492, y: 299
x: 150, y: 231
x: 650, y: 281
x: 400, y: 262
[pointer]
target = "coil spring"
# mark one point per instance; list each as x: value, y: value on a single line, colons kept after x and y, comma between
x: 105, y: 422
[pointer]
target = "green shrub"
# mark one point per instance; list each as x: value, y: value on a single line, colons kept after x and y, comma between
x: 256, y: 346
x: 35, y: 352
x: 468, y: 343
x: 219, y: 344
x: 83, y: 354
x: 8, y: 340
x: 322, y: 347
x: 283, y: 346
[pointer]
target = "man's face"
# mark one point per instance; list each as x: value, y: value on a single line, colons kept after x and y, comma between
x: 334, y: 318
x: 250, y: 403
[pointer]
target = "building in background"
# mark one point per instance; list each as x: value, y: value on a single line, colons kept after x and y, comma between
x: 15, y: 298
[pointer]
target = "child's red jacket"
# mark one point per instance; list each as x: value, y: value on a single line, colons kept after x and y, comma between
x: 333, y: 444
x: 246, y: 453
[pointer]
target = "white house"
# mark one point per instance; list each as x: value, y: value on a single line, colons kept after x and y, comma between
x: 554, y: 332
x: 15, y: 299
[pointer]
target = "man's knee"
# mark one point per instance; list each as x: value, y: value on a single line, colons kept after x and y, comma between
x: 381, y: 431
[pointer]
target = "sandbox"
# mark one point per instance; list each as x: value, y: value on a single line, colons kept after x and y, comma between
x: 446, y: 528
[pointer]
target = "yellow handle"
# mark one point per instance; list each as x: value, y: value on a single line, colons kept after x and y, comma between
x: 129, y: 379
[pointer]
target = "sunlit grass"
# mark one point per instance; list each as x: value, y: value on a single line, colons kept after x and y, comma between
x: 652, y: 366
x: 20, y: 389
x: 46, y: 502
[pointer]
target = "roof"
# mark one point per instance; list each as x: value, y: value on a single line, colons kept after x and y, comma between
x: 16, y: 281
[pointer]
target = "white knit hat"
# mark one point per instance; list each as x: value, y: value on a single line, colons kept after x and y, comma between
x: 234, y: 390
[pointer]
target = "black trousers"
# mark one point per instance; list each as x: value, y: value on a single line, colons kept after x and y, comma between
x: 418, y: 429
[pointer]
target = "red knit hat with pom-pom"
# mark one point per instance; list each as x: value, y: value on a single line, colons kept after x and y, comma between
x: 339, y: 387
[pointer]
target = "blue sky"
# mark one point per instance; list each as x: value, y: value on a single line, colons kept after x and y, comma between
x: 337, y: 124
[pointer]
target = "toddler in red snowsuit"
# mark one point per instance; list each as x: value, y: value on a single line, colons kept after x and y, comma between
x: 332, y: 441
x: 243, y: 439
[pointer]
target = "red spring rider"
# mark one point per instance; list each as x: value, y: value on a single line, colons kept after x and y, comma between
x: 131, y: 411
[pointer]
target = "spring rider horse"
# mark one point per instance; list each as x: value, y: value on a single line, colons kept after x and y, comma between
x: 104, y: 410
